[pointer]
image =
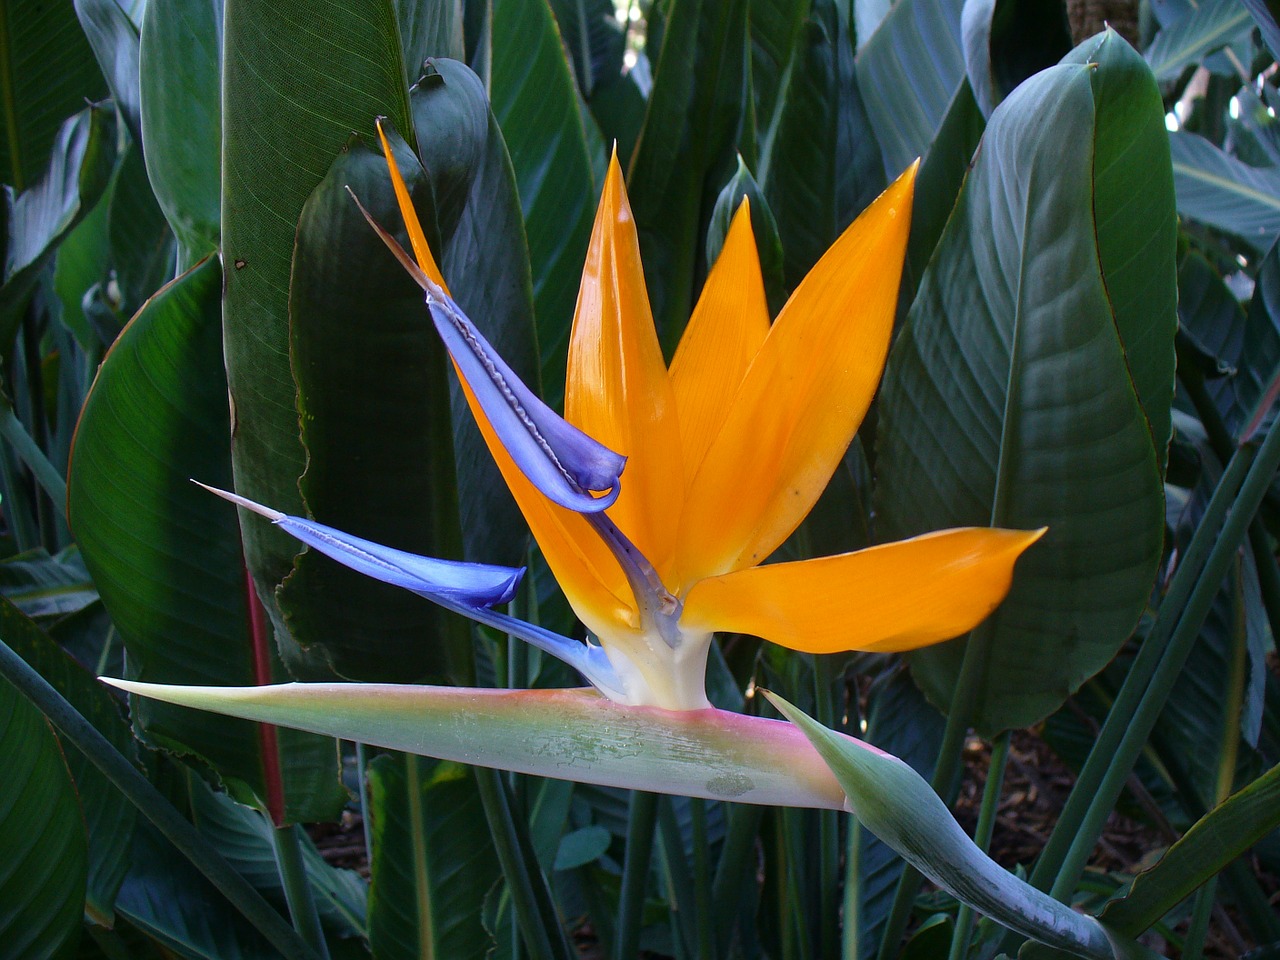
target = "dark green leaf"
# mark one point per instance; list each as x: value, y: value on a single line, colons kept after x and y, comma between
x: 1031, y: 384
x: 291, y: 95
x: 380, y: 468
x: 50, y: 73
x: 114, y: 39
x: 486, y: 263
x: 1214, y: 841
x: 687, y: 150
x: 582, y: 846
x: 108, y: 817
x: 1264, y: 17
x: 1206, y: 27
x: 1217, y: 189
x: 593, y: 38
x: 43, y: 586
x: 432, y: 860
x: 908, y: 73
x: 142, y: 248
x: 743, y: 186
x: 164, y: 554
x: 167, y: 898
x: 1005, y: 42
x: 180, y: 66
x: 429, y: 29
x: 538, y: 110
x: 42, y: 876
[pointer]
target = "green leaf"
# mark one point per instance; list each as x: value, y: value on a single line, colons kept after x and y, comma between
x: 485, y: 260
x: 430, y: 29
x: 50, y: 72
x: 43, y: 586
x: 687, y: 149
x: 593, y: 38
x: 285, y: 117
x: 243, y: 836
x: 1205, y: 27
x: 432, y: 860
x: 743, y: 186
x: 1217, y: 189
x: 569, y: 734
x: 908, y: 73
x: 802, y: 167
x: 538, y: 110
x: 107, y: 815
x: 382, y: 468
x: 42, y: 879
x: 164, y: 554
x: 167, y: 898
x: 78, y: 172
x: 180, y: 69
x: 1031, y: 384
x: 897, y: 805
x: 1217, y: 838
x: 581, y: 847
x: 142, y: 249
x: 114, y: 39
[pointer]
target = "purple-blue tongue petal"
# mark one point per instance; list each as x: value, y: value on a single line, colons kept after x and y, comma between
x: 469, y: 584
x: 559, y: 459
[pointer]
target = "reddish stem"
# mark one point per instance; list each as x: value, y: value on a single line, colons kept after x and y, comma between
x: 260, y: 634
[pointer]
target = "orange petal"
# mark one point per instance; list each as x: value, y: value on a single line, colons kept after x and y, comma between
x: 581, y: 563
x: 897, y: 596
x: 728, y: 325
x: 417, y: 238
x: 617, y: 389
x: 802, y: 399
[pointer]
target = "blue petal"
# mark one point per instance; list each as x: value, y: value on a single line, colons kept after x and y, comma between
x: 559, y: 459
x: 474, y: 584
x: 465, y: 584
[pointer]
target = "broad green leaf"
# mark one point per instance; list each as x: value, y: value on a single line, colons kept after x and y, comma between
x: 802, y: 167
x: 243, y: 836
x: 937, y: 184
x: 593, y: 38
x: 429, y: 29
x: 538, y: 110
x: 167, y: 898
x: 50, y: 72
x: 78, y: 172
x: 895, y: 803
x: 180, y: 67
x: 42, y: 874
x: 1206, y: 27
x: 142, y: 248
x: 686, y: 151
x: 43, y: 586
x: 432, y: 860
x: 1032, y: 381
x: 569, y: 734
x: 1245, y: 345
x: 776, y: 27
x: 107, y: 815
x: 164, y: 554
x: 1217, y: 838
x: 114, y: 39
x: 291, y: 95
x: 381, y: 468
x: 82, y: 263
x: 1265, y: 19
x: 1217, y: 189
x: 581, y: 847
x: 486, y: 263
x: 908, y: 72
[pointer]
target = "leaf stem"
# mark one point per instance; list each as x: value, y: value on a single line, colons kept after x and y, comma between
x: 1149, y: 683
x: 297, y: 888
x: 736, y: 864
x: 641, y: 817
x: 149, y: 801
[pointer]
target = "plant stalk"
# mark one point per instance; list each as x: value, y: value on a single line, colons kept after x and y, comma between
x: 297, y: 888
x: 641, y: 818
x: 982, y: 836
